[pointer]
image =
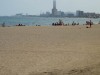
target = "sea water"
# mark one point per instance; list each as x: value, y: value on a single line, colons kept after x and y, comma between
x: 43, y: 21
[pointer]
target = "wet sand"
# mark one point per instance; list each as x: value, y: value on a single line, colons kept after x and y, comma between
x: 48, y: 50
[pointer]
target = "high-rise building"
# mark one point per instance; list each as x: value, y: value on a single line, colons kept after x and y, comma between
x: 54, y: 10
x: 79, y: 13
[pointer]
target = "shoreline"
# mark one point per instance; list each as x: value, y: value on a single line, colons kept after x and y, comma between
x: 46, y: 25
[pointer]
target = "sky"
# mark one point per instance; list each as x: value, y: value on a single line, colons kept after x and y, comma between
x: 35, y: 7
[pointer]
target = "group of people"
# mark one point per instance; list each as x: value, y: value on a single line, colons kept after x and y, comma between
x: 73, y: 23
x: 60, y: 23
x: 90, y: 23
x: 20, y: 25
x: 38, y: 25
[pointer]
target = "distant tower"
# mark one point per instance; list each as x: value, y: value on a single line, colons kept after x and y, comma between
x: 54, y: 10
x: 54, y: 4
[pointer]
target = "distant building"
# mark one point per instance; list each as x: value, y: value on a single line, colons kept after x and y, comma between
x: 87, y: 15
x: 79, y: 13
x: 60, y: 14
x: 54, y: 10
x: 56, y: 13
x: 70, y: 15
x: 20, y: 14
x: 48, y: 14
x: 91, y: 15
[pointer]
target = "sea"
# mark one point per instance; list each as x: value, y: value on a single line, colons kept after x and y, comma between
x: 43, y: 21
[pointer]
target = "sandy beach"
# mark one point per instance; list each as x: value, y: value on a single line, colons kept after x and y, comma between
x: 50, y: 50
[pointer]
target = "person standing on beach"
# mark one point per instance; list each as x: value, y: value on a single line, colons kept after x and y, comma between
x: 3, y: 25
x: 90, y: 23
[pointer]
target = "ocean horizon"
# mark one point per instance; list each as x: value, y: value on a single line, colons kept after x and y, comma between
x: 43, y: 21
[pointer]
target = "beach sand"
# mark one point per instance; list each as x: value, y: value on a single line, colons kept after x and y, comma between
x: 50, y: 50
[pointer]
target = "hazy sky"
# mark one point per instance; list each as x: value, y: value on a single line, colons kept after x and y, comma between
x: 34, y: 7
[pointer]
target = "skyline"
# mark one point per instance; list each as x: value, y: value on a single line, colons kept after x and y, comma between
x: 35, y: 7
